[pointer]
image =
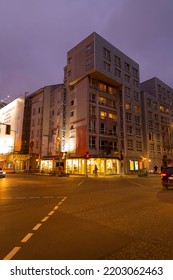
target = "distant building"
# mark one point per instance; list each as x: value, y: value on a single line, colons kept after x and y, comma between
x: 157, y: 108
x: 11, y: 116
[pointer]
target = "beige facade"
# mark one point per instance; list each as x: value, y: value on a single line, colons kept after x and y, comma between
x: 103, y: 103
x: 46, y: 131
x: 157, y: 100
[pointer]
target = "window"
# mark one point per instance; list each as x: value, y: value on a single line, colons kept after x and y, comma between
x: 136, y: 96
x: 107, y: 54
x: 112, y: 116
x: 102, y: 87
x: 107, y: 66
x: 89, y: 49
x: 129, y: 130
x: 138, y: 132
x: 152, y: 148
x: 126, y: 66
x: 92, y: 126
x: 150, y: 114
x: 158, y: 148
x: 127, y: 92
x: 149, y: 102
x: 111, y: 90
x: 117, y: 73
x: 129, y: 144
x: 139, y: 145
x: 135, y: 72
x: 128, y: 117
x: 150, y: 123
x: 92, y: 98
x: 92, y: 142
x: 72, y: 114
x: 136, y: 108
x: 117, y: 61
x: 69, y: 60
x: 151, y: 136
x: 127, y: 78
x: 103, y: 114
x: 128, y: 106
x: 135, y: 83
x: 137, y: 120
x: 72, y: 102
x: 102, y: 100
x: 92, y: 111
x: 102, y: 128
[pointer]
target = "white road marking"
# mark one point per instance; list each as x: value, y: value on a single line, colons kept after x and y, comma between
x: 27, y: 237
x: 37, y: 226
x: 81, y: 183
x: 136, y: 183
x: 12, y: 253
x: 51, y: 213
x: 45, y: 219
x: 20, y: 197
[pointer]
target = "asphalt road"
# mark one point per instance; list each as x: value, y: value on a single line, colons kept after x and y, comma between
x: 52, y: 218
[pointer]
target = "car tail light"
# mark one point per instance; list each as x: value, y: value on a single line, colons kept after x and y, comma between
x: 163, y: 174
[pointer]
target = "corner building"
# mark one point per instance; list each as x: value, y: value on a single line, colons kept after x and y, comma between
x: 103, y: 109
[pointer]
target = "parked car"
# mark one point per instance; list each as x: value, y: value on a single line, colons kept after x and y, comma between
x: 2, y: 173
x: 167, y: 177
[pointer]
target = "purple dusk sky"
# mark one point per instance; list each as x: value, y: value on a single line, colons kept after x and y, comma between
x: 35, y: 36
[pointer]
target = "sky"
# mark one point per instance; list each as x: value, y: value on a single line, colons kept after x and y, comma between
x: 35, y: 36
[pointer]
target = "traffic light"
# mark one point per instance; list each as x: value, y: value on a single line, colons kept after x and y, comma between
x: 8, y: 129
x: 87, y: 155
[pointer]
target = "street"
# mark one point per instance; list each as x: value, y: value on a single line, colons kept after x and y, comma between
x: 70, y: 218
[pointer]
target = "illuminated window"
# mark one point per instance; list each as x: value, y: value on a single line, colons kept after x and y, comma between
x: 136, y: 109
x: 103, y: 114
x: 128, y: 106
x: 102, y: 100
x: 102, y: 87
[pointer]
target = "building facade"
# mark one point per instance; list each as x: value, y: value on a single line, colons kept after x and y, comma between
x: 11, y: 157
x: 157, y: 108
x: 46, y: 128
x: 103, y: 109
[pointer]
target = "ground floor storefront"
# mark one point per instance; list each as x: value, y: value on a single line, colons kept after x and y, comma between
x: 14, y: 162
x: 104, y: 166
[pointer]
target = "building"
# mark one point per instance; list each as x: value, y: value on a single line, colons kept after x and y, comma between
x: 103, y: 109
x: 157, y: 108
x: 46, y: 127
x: 11, y: 130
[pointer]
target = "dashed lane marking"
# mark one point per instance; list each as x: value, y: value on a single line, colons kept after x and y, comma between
x: 37, y: 226
x: 12, y: 253
x: 45, y: 219
x: 51, y: 213
x: 27, y: 237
